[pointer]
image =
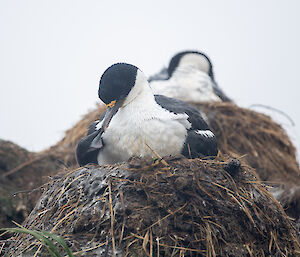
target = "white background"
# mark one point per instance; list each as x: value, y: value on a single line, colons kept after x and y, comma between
x: 52, y: 54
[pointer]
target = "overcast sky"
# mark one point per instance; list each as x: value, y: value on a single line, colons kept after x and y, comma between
x: 52, y: 54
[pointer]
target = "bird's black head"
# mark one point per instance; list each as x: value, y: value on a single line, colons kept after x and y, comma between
x: 197, y: 58
x: 116, y: 82
x: 114, y: 87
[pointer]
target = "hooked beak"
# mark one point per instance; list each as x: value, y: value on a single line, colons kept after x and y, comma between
x: 112, y: 109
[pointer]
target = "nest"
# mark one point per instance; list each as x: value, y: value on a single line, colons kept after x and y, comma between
x: 263, y: 143
x: 180, y: 207
x: 253, y: 136
x: 21, y: 172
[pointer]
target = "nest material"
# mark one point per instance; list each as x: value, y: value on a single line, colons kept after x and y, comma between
x: 187, y: 208
x: 21, y: 172
x: 263, y: 143
x: 255, y: 137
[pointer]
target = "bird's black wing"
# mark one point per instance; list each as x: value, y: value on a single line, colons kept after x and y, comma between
x: 178, y: 106
x: 92, y: 126
x: 83, y: 153
x: 200, y: 140
x: 219, y: 92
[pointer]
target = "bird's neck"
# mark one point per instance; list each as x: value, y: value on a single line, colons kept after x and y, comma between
x: 140, y: 93
x: 142, y: 98
x: 189, y: 71
x: 139, y: 108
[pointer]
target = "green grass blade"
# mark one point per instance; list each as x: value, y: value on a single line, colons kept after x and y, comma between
x: 42, y: 236
x: 38, y: 235
x: 60, y: 241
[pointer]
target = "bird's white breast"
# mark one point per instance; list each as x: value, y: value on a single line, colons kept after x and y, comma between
x: 142, y: 125
x: 187, y: 84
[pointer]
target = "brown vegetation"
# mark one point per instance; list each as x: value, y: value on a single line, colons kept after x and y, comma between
x: 147, y: 208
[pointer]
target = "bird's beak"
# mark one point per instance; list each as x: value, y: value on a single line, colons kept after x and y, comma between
x: 112, y: 109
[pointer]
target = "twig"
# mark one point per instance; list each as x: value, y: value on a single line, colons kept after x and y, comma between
x: 249, y: 250
x: 158, y: 221
x: 4, y: 233
x: 182, y: 248
x: 23, y: 165
x: 2, y: 248
x: 61, y: 220
x: 158, y: 156
x: 168, y: 246
x: 65, y: 189
x: 151, y: 243
x: 37, y: 251
x: 111, y: 219
x: 189, y: 149
x: 276, y: 110
x: 89, y: 249
x: 157, y: 241
x: 170, y: 214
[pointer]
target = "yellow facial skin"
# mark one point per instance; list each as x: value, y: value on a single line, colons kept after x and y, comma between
x: 111, y: 104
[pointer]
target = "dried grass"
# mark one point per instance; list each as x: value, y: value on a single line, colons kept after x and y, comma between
x: 263, y: 143
x: 143, y: 208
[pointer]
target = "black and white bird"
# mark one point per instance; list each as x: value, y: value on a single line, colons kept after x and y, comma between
x: 189, y: 77
x: 139, y: 123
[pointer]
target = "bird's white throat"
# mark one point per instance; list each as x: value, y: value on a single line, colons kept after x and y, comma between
x: 199, y: 62
x: 140, y: 88
x: 188, y: 84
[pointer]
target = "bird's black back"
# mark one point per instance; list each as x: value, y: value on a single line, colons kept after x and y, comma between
x: 196, y: 145
x: 177, y: 106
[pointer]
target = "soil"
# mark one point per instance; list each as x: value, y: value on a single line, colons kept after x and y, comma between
x: 21, y: 174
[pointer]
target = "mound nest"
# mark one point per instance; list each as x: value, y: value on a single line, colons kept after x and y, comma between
x: 21, y: 172
x: 150, y: 208
x: 255, y: 137
x: 263, y: 143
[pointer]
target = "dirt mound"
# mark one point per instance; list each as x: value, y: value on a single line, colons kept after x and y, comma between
x: 21, y: 172
x: 255, y: 137
x: 185, y: 208
x: 263, y: 143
